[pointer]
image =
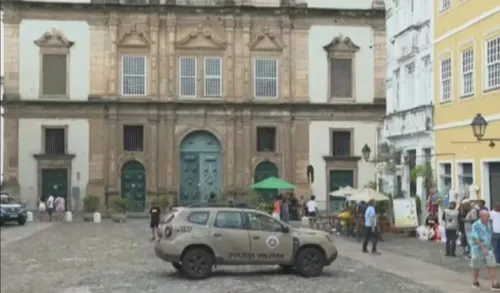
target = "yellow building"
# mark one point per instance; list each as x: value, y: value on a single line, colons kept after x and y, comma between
x: 467, y: 82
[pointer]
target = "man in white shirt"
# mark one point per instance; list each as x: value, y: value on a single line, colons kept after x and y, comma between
x: 50, y: 206
x: 495, y: 227
x: 312, y: 207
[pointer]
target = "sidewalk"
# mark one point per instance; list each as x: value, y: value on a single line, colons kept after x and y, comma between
x: 419, y: 271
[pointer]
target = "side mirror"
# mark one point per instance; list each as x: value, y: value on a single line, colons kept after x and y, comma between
x: 286, y: 229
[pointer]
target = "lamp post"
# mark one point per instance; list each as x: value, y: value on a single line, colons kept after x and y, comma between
x: 366, y: 152
x: 479, y: 125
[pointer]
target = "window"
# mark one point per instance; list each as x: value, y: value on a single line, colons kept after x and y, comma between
x: 444, y: 5
x: 259, y: 222
x: 133, y: 138
x: 468, y: 72
x: 134, y: 75
x: 446, y: 80
x: 228, y: 220
x: 266, y: 78
x: 410, y: 70
x: 465, y: 174
x: 54, y: 74
x: 55, y: 141
x: 266, y: 139
x: 445, y: 176
x: 213, y: 77
x: 396, y: 77
x: 341, y: 78
x: 341, y: 143
x: 187, y: 83
x: 198, y: 218
x: 493, y: 63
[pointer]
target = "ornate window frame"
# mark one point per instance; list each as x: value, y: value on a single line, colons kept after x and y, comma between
x: 54, y: 42
x: 342, y: 48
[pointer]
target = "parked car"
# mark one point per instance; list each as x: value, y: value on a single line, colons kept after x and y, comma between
x: 11, y: 211
x: 195, y: 239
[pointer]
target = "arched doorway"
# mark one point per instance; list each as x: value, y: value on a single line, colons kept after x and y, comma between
x: 200, y: 167
x: 133, y: 182
x: 265, y: 170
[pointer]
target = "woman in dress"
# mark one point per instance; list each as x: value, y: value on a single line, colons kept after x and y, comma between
x: 60, y: 204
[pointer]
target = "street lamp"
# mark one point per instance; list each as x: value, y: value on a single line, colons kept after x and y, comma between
x: 366, y: 151
x: 479, y: 125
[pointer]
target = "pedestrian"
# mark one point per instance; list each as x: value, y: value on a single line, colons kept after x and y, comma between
x: 495, y: 226
x: 462, y: 213
x: 481, y: 251
x: 212, y: 198
x: 154, y: 214
x: 277, y: 207
x: 471, y: 217
x: 60, y: 206
x: 285, y: 209
x: 312, y: 207
x: 371, y: 228
x: 50, y: 206
x: 450, y: 216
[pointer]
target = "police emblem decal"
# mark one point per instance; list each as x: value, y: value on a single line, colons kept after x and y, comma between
x: 272, y: 242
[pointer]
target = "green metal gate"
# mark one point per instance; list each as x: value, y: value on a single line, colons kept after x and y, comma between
x: 133, y: 183
x: 55, y: 182
x: 339, y: 179
x: 494, y: 170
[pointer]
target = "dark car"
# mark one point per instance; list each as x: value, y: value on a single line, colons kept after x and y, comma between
x: 11, y: 211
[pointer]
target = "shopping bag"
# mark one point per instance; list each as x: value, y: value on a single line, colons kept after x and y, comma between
x: 41, y: 207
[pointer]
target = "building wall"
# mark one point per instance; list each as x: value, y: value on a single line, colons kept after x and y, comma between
x: 29, y: 56
x: 30, y: 144
x: 320, y: 36
x: 319, y: 146
x: 340, y: 4
x: 462, y: 27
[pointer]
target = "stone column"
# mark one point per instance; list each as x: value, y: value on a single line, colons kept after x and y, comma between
x: 154, y: 22
x: 300, y: 67
x: 228, y: 85
x: 247, y: 62
x: 152, y: 151
x: 113, y: 137
x: 229, y: 152
x: 379, y: 55
x: 162, y: 59
x: 171, y: 23
x: 162, y: 151
x: 10, y: 148
x: 11, y: 20
x: 98, y: 55
x: 112, y: 58
x: 171, y: 150
x: 239, y: 149
x: 286, y: 30
x: 247, y: 148
x: 97, y: 160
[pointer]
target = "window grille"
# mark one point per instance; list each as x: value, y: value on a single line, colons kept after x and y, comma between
x: 266, y: 139
x: 55, y: 141
x: 266, y: 78
x: 187, y: 82
x: 341, y: 143
x: 213, y: 77
x: 446, y: 80
x: 133, y: 138
x: 493, y: 63
x: 134, y: 75
x: 468, y: 72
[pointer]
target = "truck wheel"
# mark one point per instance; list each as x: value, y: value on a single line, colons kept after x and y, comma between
x: 197, y: 263
x: 21, y: 221
x: 309, y: 262
x: 177, y: 265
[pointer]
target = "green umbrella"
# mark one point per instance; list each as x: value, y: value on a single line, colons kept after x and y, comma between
x: 272, y: 183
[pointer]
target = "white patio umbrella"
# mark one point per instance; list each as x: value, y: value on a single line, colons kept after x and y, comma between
x: 367, y: 194
x: 344, y: 191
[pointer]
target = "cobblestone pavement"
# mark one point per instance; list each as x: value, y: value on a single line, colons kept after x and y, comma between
x: 429, y: 252
x: 118, y: 258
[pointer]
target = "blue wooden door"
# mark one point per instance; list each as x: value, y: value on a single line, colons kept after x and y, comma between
x: 201, y: 168
x: 133, y: 183
x: 339, y: 179
x: 263, y: 171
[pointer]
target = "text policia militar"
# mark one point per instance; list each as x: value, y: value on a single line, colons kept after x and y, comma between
x: 256, y: 255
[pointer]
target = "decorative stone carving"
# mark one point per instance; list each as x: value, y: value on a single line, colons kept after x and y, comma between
x: 266, y: 40
x: 134, y: 36
x: 341, y: 44
x: 54, y: 38
x: 201, y: 38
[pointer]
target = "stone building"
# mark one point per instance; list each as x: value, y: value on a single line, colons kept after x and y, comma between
x: 163, y: 99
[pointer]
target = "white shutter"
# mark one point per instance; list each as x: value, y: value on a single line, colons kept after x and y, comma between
x: 266, y: 78
x: 187, y: 78
x: 134, y: 75
x: 213, y: 77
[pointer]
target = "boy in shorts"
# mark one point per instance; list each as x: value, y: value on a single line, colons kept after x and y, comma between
x: 154, y: 213
x: 482, y: 251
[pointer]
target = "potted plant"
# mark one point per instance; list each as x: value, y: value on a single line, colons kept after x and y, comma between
x: 90, y: 206
x: 119, y: 208
x: 161, y: 202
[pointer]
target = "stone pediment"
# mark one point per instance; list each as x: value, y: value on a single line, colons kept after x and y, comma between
x: 54, y: 38
x: 266, y: 40
x: 341, y: 44
x: 201, y: 38
x: 134, y: 37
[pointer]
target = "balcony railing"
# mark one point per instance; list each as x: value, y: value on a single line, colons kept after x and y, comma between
x: 408, y: 122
